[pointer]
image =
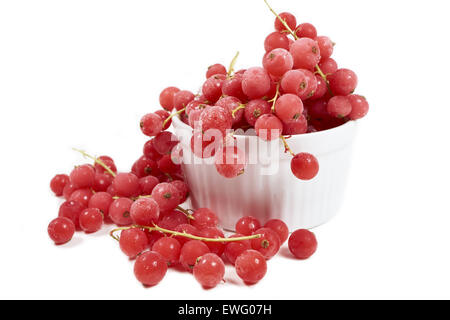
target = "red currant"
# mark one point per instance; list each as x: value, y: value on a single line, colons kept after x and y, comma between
x: 119, y: 211
x: 269, y: 243
x: 305, y: 166
x: 151, y: 124
x: 169, y: 248
x: 58, y: 184
x: 209, y: 270
x: 302, y: 244
x: 279, y: 227
x: 61, y: 230
x: 190, y: 252
x: 71, y: 210
x: 251, y: 266
x: 166, y: 98
x: 166, y: 195
x: 83, y: 176
x: 150, y: 268
x: 247, y: 225
x: 235, y: 248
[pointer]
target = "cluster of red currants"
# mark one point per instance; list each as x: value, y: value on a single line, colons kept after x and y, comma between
x: 298, y: 90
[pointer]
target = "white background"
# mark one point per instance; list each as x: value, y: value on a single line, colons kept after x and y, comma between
x: 82, y: 73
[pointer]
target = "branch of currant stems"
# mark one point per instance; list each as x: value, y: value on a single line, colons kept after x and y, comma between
x: 155, y: 227
x: 242, y: 106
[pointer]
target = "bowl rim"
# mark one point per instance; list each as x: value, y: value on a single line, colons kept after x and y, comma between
x: 348, y: 124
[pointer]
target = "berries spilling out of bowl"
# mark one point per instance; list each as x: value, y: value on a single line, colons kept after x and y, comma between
x: 298, y: 90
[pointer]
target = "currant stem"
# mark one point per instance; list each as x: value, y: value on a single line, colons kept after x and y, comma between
x: 183, y: 234
x: 173, y: 115
x: 274, y: 100
x: 286, y: 146
x: 241, y: 106
x: 233, y: 62
x: 324, y: 77
x: 282, y: 21
x: 96, y: 160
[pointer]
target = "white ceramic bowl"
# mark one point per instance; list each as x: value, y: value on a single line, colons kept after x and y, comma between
x: 280, y: 196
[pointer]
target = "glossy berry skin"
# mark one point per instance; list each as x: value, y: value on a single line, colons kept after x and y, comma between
x: 321, y: 89
x: 119, y: 211
x: 231, y: 104
x: 216, y: 69
x: 278, y: 61
x: 147, y: 184
x: 102, y: 182
x: 126, y: 185
x: 151, y: 124
x: 169, y: 248
x: 144, y: 212
x: 290, y: 20
x: 209, y: 270
x: 280, y: 228
x: 305, y: 166
x: 236, y: 248
x: 213, y: 233
x: 203, y: 218
x: 101, y: 201
x: 68, y: 190
x: 164, y: 142
x: 360, y: 107
x: 317, y: 110
x: 150, y: 151
x: 166, y: 196
x: 302, y: 244
x: 132, y: 242
x: 247, y: 225
x: 182, y: 98
x: 231, y: 162
x: 186, y: 228
x: 82, y: 196
x: 150, y: 268
x: 216, y: 118
x: 311, y: 87
x: 212, y: 88
x: 61, y: 230
x: 172, y: 219
x: 71, y: 210
x: 343, y: 82
x: 276, y: 40
x: 306, y: 53
x: 294, y: 82
x: 255, y: 83
x: 268, y: 127
x: 82, y: 176
x: 306, y: 30
x: 288, y: 107
x: 91, y: 220
x: 182, y: 188
x: 251, y: 266
x: 339, y: 107
x: 254, y: 109
x: 58, y: 183
x: 164, y: 115
x: 328, y: 66
x: 166, y: 97
x: 326, y: 47
x: 269, y: 243
x: 294, y: 127
x: 108, y: 161
x: 144, y: 167
x: 233, y: 87
x: 190, y: 251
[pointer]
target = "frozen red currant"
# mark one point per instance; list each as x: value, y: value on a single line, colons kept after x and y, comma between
x: 150, y: 268
x: 203, y: 218
x: 126, y: 185
x: 119, y: 211
x: 72, y: 210
x: 209, y: 270
x: 190, y: 252
x: 91, y: 220
x: 144, y: 212
x: 166, y: 98
x: 82, y: 176
x: 247, y: 225
x: 235, y: 248
x: 268, y: 244
x: 166, y: 196
x: 215, y: 69
x: 287, y: 17
x: 251, y: 266
x: 101, y: 201
x: 306, y: 53
x: 302, y: 244
x: 213, y: 233
x: 343, y: 82
x: 306, y: 30
x: 305, y: 166
x: 339, y: 107
x: 231, y: 162
x: 360, y: 107
x: 58, y: 184
x: 268, y: 127
x: 169, y: 248
x: 279, y: 227
x: 133, y: 242
x: 61, y: 230
x: 151, y: 124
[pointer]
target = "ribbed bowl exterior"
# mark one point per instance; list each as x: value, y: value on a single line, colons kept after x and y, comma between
x: 301, y: 204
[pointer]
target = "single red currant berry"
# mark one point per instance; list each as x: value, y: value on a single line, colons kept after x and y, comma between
x: 203, y: 218
x: 144, y: 212
x: 119, y: 211
x: 68, y: 190
x: 190, y: 252
x: 213, y: 233
x: 72, y: 210
x: 150, y: 268
x: 148, y: 184
x: 279, y: 227
x: 339, y: 107
x: 150, y: 151
x: 164, y: 142
x: 287, y: 17
x: 101, y: 201
x: 102, y: 182
x: 360, y: 107
x: 306, y: 30
x: 83, y: 176
x: 151, y: 124
x: 251, y: 266
x: 61, y: 230
x: 166, y: 195
x: 58, y: 184
x: 247, y: 225
x: 183, y: 189
x: 164, y: 115
x: 182, y: 98
x: 216, y: 69
x: 305, y: 166
x: 328, y: 66
x: 235, y: 248
x: 126, y: 185
x: 268, y: 127
x: 187, y: 229
x: 91, y: 220
x: 343, y: 82
x: 255, y: 82
x: 306, y: 53
x: 82, y: 196
x: 169, y: 248
x: 269, y: 243
x: 276, y: 40
x: 108, y: 161
x: 133, y: 242
x: 302, y: 244
x: 173, y: 219
x: 209, y: 270
x: 231, y: 162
